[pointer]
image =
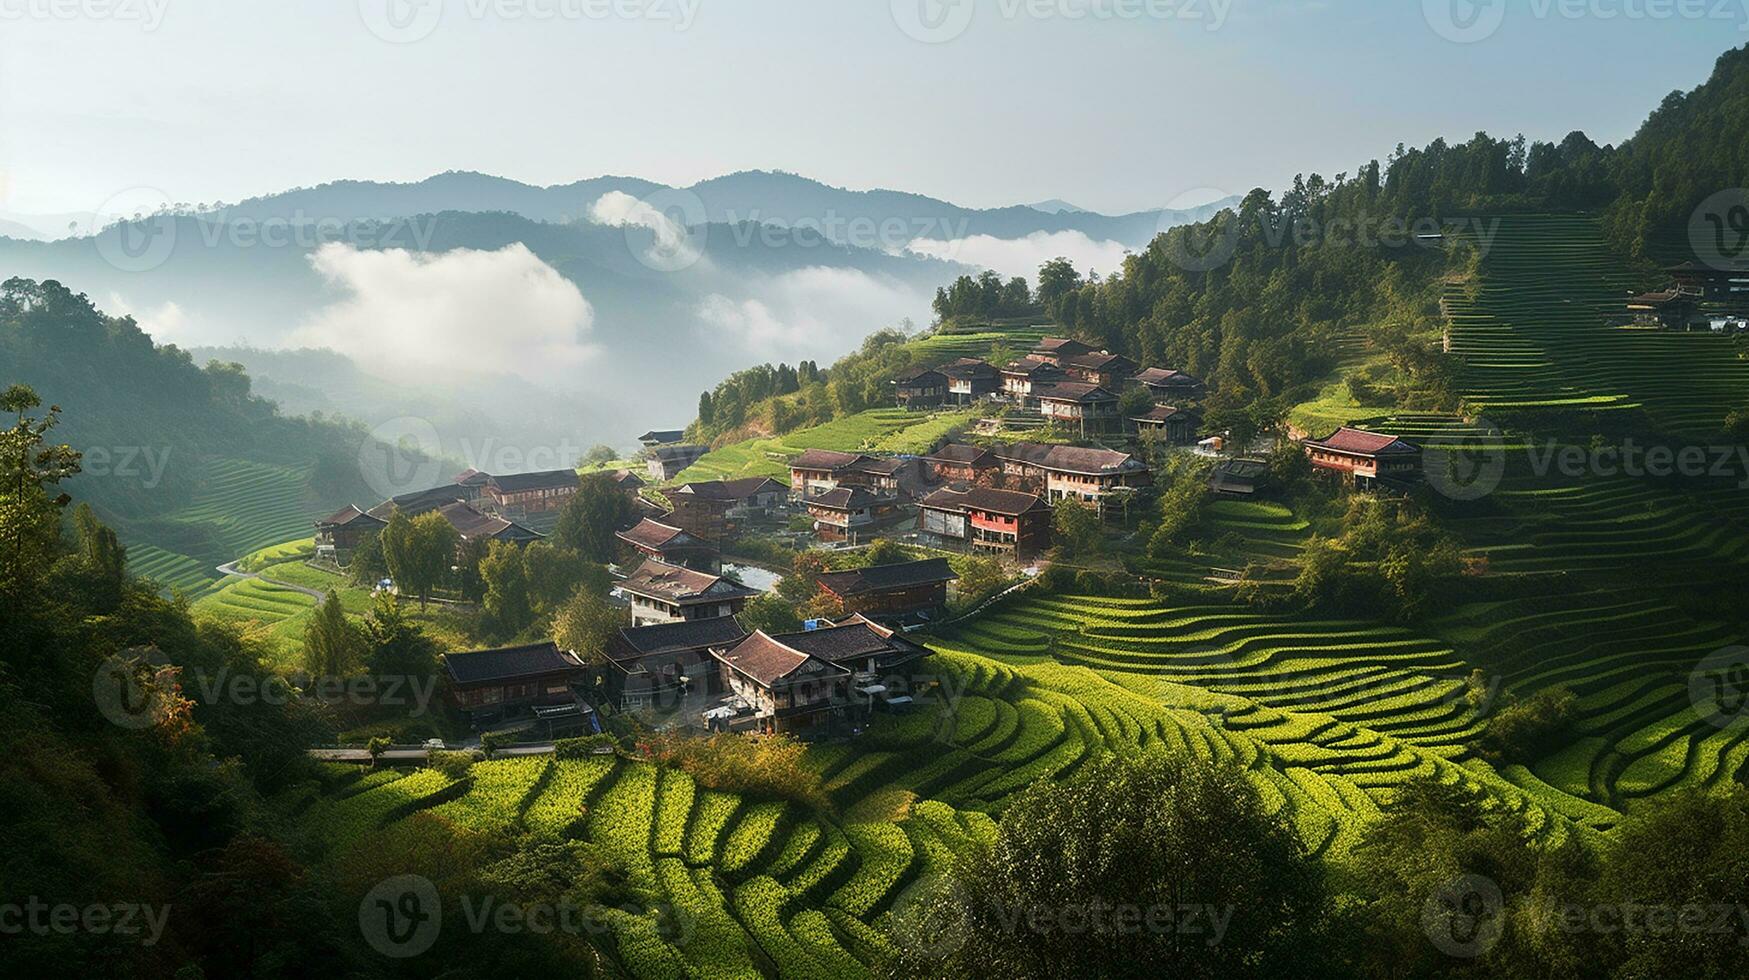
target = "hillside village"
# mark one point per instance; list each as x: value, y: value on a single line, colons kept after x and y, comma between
x: 682, y: 658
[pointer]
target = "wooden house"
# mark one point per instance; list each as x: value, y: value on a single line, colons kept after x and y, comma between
x: 627, y: 482
x: 970, y: 380
x: 753, y: 496
x: 851, y: 514
x: 1095, y: 476
x: 472, y: 525
x: 920, y: 388
x: 818, y: 471
x: 342, y: 531
x: 956, y: 463
x: 1086, y: 407
x: 1109, y: 371
x: 1008, y: 523
x: 531, y: 493
x: 664, y: 593
x: 1365, y: 458
x: 1169, y: 387
x: 1710, y: 283
x: 673, y: 545
x: 867, y: 649
x: 1020, y: 379
x: 886, y: 592
x: 535, y: 680
x: 662, y: 437
x: 1241, y: 478
x: 1057, y: 350
x: 666, y: 462
x: 788, y: 689
x: 655, y: 667
x: 1174, y: 426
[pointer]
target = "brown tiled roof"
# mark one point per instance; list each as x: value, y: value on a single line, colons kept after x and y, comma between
x: 920, y: 378
x: 471, y: 477
x: 849, y: 498
x: 768, y: 660
x: 1061, y: 345
x: 545, y: 480
x: 968, y: 368
x: 1164, y: 413
x: 1073, y: 391
x: 962, y: 455
x: 471, y: 524
x: 509, y: 663
x: 882, y: 466
x: 1009, y: 503
x: 1164, y: 377
x: 663, y: 435
x: 879, y: 578
x: 688, y: 452
x: 633, y: 642
x: 1102, y: 361
x: 627, y: 480
x: 733, y: 489
x: 855, y: 638
x: 825, y: 459
x: 346, y: 515
x: 418, y: 502
x: 1072, y: 459
x: 677, y: 584
x: 656, y: 535
x: 1362, y: 442
x: 1032, y: 367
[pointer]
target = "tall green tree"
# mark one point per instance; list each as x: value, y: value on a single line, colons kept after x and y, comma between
x: 1077, y: 528
x: 506, y: 601
x: 592, y: 516
x: 30, y: 518
x: 333, y: 646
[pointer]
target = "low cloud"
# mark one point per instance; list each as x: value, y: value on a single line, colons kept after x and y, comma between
x: 422, y: 318
x: 1022, y: 256
x: 167, y: 324
x: 813, y: 313
x: 673, y: 249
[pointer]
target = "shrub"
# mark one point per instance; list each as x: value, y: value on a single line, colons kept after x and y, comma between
x: 1524, y: 730
x: 455, y: 765
x: 579, y: 748
x: 772, y: 767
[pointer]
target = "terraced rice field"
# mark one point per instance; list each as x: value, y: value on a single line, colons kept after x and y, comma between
x: 891, y: 430
x: 238, y: 506
x: 1536, y: 332
x: 1261, y: 537
x: 941, y: 348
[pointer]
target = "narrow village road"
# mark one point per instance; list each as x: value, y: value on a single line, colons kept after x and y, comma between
x: 230, y: 568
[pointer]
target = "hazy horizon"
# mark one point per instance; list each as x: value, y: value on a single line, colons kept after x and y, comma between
x: 676, y: 91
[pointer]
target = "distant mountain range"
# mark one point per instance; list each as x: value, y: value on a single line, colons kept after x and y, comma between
x: 773, y: 267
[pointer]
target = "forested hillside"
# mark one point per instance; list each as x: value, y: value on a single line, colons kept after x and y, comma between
x: 185, y: 460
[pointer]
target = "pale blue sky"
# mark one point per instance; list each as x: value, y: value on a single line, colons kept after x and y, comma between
x: 223, y: 99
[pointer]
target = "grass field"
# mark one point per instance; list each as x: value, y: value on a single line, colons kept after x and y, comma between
x: 890, y: 430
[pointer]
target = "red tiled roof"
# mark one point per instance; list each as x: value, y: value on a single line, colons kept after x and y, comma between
x: 1362, y: 442
x: 677, y: 584
x: 768, y: 660
x: 346, y: 515
x: 1009, y: 503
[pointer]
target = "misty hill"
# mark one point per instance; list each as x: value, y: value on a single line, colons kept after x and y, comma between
x: 761, y: 196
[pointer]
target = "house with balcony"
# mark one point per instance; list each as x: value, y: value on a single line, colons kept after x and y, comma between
x: 1109, y: 371
x: 1172, y: 425
x: 1364, y: 458
x: 1103, y: 478
x: 1006, y: 523
x: 1078, y: 405
x: 787, y: 689
x: 956, y: 463
x: 664, y: 593
x: 920, y: 388
x: 970, y: 380
x: 851, y: 515
x: 667, y: 461
x: 657, y: 667
x: 1057, y: 350
x: 534, y: 683
x: 338, y: 534
x: 672, y: 545
x: 887, y: 592
x: 1169, y: 387
x: 1022, y: 378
